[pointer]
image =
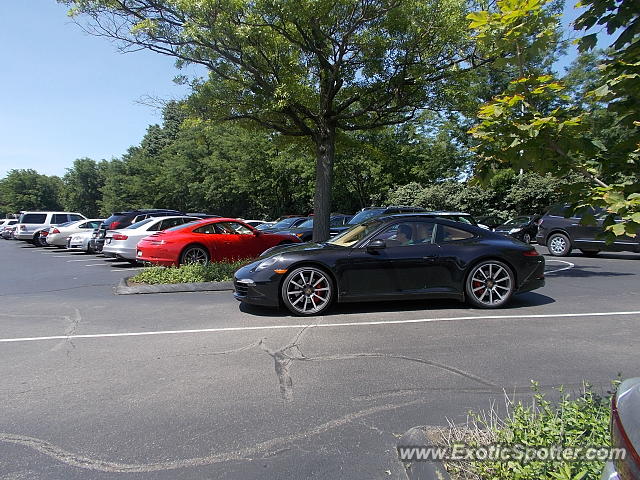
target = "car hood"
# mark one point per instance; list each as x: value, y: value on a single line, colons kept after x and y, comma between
x: 308, y: 248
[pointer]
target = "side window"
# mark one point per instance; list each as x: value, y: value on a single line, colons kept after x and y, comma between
x: 235, y: 228
x: 74, y: 217
x: 85, y: 225
x: 209, y: 229
x: 407, y: 233
x: 138, y: 218
x: 59, y: 218
x: 450, y: 234
x: 95, y: 224
x: 169, y: 223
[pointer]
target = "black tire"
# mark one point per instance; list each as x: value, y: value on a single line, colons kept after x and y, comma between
x: 590, y: 253
x: 36, y: 241
x: 559, y: 245
x: 526, y: 238
x: 194, y: 254
x: 303, y: 287
x: 486, y: 281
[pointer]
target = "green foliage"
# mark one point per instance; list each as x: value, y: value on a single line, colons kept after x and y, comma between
x: 212, y: 272
x: 571, y: 422
x: 536, y: 125
x: 506, y: 195
x: 82, y: 186
x: 29, y: 190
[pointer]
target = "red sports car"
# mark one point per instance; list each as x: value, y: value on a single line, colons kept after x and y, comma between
x: 210, y: 240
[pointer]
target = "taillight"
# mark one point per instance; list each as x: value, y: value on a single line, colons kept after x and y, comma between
x: 629, y: 467
x: 530, y: 253
x: 44, y: 233
x: 55, y: 230
x: 119, y: 236
x: 113, y: 225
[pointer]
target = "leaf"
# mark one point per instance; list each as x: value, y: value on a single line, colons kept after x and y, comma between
x: 588, y: 42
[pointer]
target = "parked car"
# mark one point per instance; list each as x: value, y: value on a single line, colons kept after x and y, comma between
x: 82, y: 241
x: 285, y: 224
x: 625, y: 432
x: 371, y: 212
x: 31, y: 223
x: 253, y: 223
x: 524, y: 227
x: 58, y: 236
x: 124, y: 219
x: 8, y: 232
x: 42, y: 234
x: 265, y: 225
x: 490, y: 221
x: 7, y: 223
x: 206, y: 241
x: 561, y: 234
x: 393, y: 257
x: 304, y: 231
x: 121, y: 243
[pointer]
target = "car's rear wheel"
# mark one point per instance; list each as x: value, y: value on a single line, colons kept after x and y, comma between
x: 559, y: 245
x: 307, y: 291
x: 526, y: 238
x: 194, y: 254
x: 490, y: 284
x: 590, y: 253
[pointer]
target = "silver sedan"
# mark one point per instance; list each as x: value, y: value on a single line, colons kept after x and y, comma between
x: 59, y: 235
x: 122, y: 243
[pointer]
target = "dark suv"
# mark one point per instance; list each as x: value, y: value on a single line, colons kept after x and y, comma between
x: 561, y: 234
x: 124, y: 219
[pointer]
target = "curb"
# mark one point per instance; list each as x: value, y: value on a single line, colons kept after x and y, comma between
x: 124, y: 289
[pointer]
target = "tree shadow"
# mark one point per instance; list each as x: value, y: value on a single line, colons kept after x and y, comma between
x: 579, y: 271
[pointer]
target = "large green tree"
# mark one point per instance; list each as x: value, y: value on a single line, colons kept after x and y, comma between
x: 82, y: 186
x: 306, y: 68
x: 26, y: 189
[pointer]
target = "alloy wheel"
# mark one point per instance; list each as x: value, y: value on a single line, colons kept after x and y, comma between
x: 558, y: 245
x: 526, y: 238
x: 490, y: 284
x: 307, y: 291
x: 196, y: 255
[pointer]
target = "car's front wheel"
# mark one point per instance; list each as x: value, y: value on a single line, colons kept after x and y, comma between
x: 559, y: 245
x: 307, y: 291
x: 194, y: 254
x: 490, y: 284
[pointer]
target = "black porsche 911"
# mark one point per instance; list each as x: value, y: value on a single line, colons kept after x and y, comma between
x: 395, y: 257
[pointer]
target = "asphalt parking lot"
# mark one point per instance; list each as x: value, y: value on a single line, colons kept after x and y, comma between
x: 194, y: 386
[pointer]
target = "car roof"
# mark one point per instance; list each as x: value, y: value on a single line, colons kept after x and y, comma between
x: 417, y: 215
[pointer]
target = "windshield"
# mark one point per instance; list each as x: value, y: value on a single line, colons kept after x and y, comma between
x: 355, y: 234
x: 518, y: 221
x: 306, y: 224
x: 365, y: 215
x: 141, y: 223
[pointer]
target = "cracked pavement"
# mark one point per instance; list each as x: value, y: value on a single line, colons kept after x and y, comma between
x: 291, y: 403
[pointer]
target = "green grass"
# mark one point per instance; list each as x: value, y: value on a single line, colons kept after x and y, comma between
x: 213, y: 272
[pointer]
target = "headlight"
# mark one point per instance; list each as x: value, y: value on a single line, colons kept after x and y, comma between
x: 515, y: 230
x: 267, y: 263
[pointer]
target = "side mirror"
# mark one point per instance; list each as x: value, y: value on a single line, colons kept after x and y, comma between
x: 376, y: 245
x: 257, y: 233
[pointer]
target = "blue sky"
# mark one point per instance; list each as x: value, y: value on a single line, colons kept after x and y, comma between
x: 67, y: 95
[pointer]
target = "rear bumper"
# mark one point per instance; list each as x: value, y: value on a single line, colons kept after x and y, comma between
x: 119, y: 252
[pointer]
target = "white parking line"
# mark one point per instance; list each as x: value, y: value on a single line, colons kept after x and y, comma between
x: 97, y: 265
x: 315, y: 325
x: 569, y: 265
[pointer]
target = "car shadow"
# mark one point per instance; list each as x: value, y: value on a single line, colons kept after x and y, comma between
x: 528, y: 299
x: 113, y: 263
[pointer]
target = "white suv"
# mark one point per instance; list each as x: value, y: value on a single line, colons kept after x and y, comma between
x: 30, y: 223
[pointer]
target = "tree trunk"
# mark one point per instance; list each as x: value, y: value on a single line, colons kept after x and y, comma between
x: 325, y: 153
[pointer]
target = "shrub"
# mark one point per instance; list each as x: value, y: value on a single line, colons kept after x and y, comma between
x: 571, y: 422
x: 213, y: 272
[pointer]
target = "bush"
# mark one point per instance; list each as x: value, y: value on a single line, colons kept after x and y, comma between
x: 578, y: 422
x: 213, y: 272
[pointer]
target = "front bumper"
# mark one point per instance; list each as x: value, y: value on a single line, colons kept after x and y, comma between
x: 257, y: 288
